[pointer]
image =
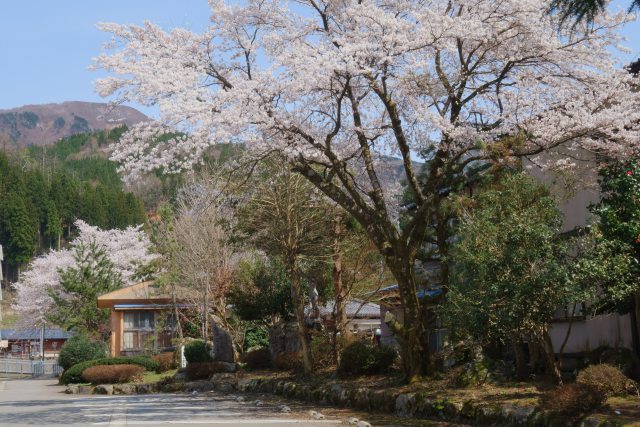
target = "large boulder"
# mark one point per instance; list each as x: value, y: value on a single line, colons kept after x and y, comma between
x: 224, y: 382
x: 124, y: 389
x: 103, y: 389
x: 222, y: 345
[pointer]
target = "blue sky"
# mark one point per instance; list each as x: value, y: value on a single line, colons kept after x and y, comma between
x: 47, y: 46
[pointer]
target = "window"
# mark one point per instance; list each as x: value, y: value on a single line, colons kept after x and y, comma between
x: 147, y: 330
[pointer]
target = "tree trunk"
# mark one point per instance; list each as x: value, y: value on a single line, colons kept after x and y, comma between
x: 339, y: 291
x: 413, y: 331
x: 298, y: 304
x: 635, y: 324
x: 552, y: 364
x: 522, y: 370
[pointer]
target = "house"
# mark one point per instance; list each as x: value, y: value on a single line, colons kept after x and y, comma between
x: 26, y: 342
x: 142, y: 319
x: 389, y: 299
x: 362, y: 317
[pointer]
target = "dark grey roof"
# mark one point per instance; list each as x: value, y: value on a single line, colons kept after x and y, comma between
x: 352, y: 308
x: 34, y: 334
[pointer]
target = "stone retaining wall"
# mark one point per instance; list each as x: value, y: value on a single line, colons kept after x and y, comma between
x: 413, y: 405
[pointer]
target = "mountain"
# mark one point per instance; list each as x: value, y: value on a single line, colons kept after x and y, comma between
x: 46, y: 123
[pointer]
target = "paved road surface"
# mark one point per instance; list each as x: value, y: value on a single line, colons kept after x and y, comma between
x: 41, y: 402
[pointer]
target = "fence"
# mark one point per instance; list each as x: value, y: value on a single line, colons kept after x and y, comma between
x: 35, y: 368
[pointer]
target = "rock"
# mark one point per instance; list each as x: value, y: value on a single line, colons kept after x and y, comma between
x: 194, y: 393
x: 289, y: 389
x: 72, y: 389
x: 222, y: 345
x: 423, y: 406
x: 361, y: 398
x: 224, y: 382
x: 103, y: 389
x: 516, y: 414
x: 173, y: 387
x: 363, y: 424
x: 228, y: 366
x: 284, y: 408
x: 452, y: 409
x: 383, y: 401
x: 124, y: 389
x: 145, y: 388
x: 85, y: 389
x: 199, y: 386
x: 353, y: 421
x: 258, y: 403
x: 405, y: 405
x: 180, y: 376
x: 239, y: 399
x: 594, y: 422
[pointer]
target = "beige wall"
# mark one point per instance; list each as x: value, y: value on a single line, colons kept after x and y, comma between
x: 574, y: 189
x: 611, y: 330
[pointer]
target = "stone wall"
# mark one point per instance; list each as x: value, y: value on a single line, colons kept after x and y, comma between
x: 412, y: 405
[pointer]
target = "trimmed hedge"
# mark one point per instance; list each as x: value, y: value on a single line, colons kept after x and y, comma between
x: 166, y: 361
x: 203, y: 370
x: 74, y: 374
x: 112, y: 374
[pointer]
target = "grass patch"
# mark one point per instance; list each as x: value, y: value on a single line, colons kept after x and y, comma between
x: 152, y: 377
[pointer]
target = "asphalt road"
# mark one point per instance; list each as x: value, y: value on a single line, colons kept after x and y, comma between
x: 42, y: 402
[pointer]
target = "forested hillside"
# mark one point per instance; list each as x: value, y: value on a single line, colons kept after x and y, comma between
x: 43, y: 190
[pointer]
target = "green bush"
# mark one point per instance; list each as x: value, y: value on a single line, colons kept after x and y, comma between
x: 80, y: 349
x: 256, y: 336
x: 197, y: 351
x: 74, y: 374
x: 607, y: 379
x: 360, y: 358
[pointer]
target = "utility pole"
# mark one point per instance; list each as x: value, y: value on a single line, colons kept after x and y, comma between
x: 1, y: 300
x: 1, y: 279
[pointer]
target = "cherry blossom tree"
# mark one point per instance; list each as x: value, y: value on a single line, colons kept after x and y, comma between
x: 336, y: 85
x: 127, y: 250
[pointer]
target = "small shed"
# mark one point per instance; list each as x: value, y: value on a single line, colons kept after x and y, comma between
x: 141, y: 319
x: 26, y: 342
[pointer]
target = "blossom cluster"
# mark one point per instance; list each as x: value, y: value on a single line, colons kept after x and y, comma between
x: 126, y: 249
x: 332, y: 84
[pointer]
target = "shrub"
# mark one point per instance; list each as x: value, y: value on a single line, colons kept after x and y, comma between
x: 74, y: 374
x: 166, y: 361
x: 288, y: 361
x: 256, y: 337
x: 360, y: 358
x: 80, y: 349
x: 572, y: 399
x: 112, y: 374
x: 322, y: 352
x: 203, y: 370
x: 197, y: 351
x: 258, y: 359
x: 607, y: 379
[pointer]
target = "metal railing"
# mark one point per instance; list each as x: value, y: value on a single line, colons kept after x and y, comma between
x: 35, y: 368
